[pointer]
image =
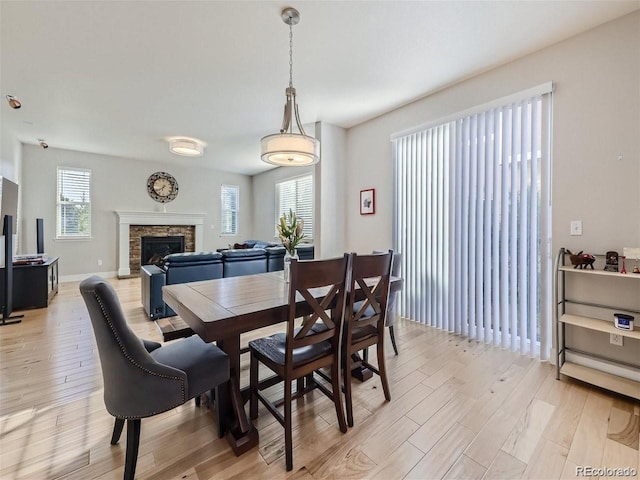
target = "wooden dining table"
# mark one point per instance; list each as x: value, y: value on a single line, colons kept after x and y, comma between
x: 220, y: 311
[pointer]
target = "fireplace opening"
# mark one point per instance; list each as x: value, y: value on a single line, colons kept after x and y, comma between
x: 154, y: 249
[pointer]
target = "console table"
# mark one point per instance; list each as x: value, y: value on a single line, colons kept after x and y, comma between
x: 34, y: 285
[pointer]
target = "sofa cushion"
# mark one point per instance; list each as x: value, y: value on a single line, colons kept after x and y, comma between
x: 244, y: 262
x: 192, y: 257
x: 239, y: 255
x: 264, y: 244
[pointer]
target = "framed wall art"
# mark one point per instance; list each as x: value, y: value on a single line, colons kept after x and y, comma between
x: 368, y: 201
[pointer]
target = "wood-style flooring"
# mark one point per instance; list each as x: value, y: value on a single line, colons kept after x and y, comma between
x: 459, y: 409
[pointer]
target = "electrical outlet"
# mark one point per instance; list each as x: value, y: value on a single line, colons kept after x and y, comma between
x: 576, y: 227
x: 99, y: 262
x: 616, y: 339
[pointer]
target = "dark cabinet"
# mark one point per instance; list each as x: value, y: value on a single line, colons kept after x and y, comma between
x: 33, y: 285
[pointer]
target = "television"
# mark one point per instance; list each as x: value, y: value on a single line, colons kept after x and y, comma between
x: 9, y: 201
x: 8, y: 206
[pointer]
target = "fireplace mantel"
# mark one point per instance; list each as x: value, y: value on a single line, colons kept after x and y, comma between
x: 126, y: 219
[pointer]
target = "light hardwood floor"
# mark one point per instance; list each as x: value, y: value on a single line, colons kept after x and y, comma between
x: 459, y: 409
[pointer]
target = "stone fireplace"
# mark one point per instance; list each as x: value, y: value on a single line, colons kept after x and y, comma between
x: 132, y: 226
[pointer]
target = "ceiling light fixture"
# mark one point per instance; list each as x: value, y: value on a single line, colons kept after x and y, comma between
x: 288, y: 148
x: 13, y: 102
x: 187, y: 147
x: 43, y: 144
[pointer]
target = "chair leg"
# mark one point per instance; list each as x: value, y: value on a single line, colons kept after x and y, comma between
x: 133, y: 441
x: 288, y: 437
x: 197, y: 399
x: 300, y: 385
x: 117, y: 431
x: 336, y: 388
x: 347, y: 389
x: 382, y: 367
x: 393, y: 339
x: 253, y: 385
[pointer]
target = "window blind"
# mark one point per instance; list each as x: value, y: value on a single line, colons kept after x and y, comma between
x: 229, y: 199
x: 296, y: 194
x: 472, y: 219
x: 73, y: 216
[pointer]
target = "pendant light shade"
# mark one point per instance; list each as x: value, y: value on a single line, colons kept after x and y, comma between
x: 287, y: 148
x: 290, y: 149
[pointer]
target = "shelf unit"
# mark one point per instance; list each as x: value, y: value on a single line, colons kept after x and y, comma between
x: 587, y: 374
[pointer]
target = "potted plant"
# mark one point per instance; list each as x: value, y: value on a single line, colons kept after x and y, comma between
x: 290, y: 232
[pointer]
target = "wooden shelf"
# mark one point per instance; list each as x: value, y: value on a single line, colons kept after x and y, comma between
x: 599, y: 325
x: 568, y: 268
x: 602, y: 379
x: 595, y: 374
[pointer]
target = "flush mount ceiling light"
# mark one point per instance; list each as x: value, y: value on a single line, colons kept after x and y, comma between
x: 187, y: 147
x: 287, y: 148
x: 13, y: 102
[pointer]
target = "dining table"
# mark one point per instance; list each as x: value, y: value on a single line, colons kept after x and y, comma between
x: 220, y: 311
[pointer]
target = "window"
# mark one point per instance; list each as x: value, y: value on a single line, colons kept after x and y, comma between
x: 229, y: 201
x: 73, y: 216
x: 296, y: 194
x: 472, y: 219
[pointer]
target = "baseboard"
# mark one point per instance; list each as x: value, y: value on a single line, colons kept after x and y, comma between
x: 82, y: 276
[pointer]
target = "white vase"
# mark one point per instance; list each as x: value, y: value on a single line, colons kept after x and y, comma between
x: 287, y: 264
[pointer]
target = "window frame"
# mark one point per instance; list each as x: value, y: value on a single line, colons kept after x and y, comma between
x: 278, y: 213
x: 60, y: 203
x: 223, y: 210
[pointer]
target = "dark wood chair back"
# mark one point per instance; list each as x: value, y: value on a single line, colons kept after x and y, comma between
x: 325, y: 315
x: 370, y: 276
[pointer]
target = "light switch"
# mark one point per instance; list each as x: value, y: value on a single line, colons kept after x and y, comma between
x: 576, y: 227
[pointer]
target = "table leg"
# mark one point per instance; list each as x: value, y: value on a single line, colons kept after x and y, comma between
x: 240, y: 431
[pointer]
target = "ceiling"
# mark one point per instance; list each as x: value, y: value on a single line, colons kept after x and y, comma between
x: 118, y: 78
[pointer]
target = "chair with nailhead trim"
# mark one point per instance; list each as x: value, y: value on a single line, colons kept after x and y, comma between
x: 143, y: 378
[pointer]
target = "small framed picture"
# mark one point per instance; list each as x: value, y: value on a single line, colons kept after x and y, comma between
x: 368, y: 201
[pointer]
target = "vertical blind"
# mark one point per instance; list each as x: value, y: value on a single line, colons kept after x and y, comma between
x: 296, y: 194
x: 472, y: 219
x: 229, y: 204
x: 73, y: 215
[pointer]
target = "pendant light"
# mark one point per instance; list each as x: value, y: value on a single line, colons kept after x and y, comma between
x: 288, y: 148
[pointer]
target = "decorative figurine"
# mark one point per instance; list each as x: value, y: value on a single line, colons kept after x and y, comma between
x: 611, y: 262
x: 623, y: 269
x: 582, y: 260
x: 636, y: 269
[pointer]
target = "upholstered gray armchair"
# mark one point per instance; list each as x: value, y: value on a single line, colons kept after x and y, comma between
x: 143, y: 378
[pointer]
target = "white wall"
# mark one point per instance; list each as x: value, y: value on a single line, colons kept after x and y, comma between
x: 120, y: 184
x: 596, y: 118
x: 330, y: 191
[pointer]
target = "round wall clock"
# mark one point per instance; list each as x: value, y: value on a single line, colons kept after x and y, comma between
x: 162, y: 187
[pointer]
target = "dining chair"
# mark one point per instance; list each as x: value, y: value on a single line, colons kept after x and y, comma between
x: 365, y: 324
x: 390, y: 318
x: 143, y: 378
x: 300, y: 351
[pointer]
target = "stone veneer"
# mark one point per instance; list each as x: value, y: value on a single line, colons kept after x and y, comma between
x: 136, y: 232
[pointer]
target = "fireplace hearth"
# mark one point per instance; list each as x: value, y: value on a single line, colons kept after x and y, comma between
x: 154, y: 249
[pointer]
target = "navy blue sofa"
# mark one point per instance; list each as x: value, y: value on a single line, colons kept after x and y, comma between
x: 177, y: 268
x: 197, y: 266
